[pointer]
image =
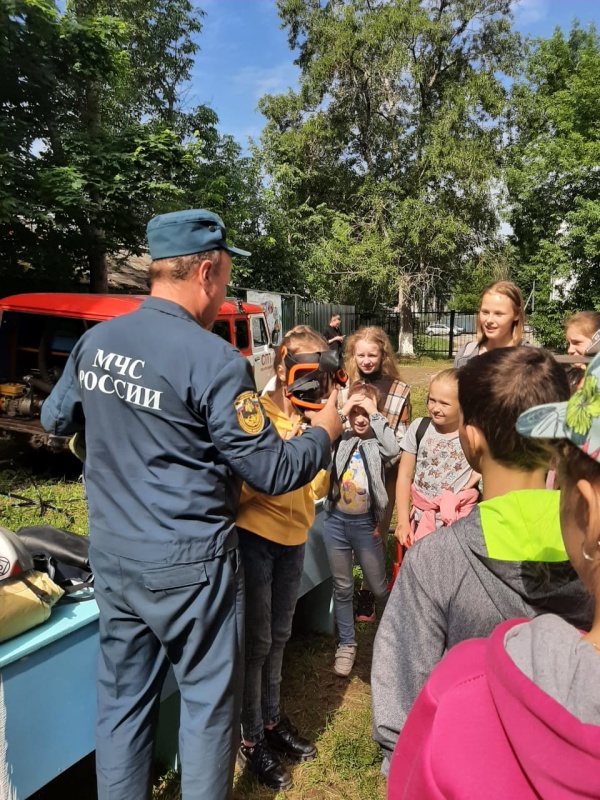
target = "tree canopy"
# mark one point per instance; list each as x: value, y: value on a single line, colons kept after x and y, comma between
x: 377, y: 182
x: 94, y: 138
x: 554, y: 176
x: 384, y: 160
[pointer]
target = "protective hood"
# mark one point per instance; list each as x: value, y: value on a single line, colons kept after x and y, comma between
x: 514, y: 544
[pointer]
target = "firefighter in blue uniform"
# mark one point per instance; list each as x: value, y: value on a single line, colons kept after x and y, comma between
x: 172, y: 426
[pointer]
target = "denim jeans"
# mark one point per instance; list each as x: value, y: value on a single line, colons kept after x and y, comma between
x: 273, y: 575
x: 344, y: 534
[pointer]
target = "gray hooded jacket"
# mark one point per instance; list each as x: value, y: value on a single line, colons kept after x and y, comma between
x: 453, y: 587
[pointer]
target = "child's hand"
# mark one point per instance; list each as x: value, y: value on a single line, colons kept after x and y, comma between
x: 404, y: 534
x: 351, y: 403
x: 369, y: 405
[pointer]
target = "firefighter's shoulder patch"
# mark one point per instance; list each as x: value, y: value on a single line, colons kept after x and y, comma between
x: 249, y: 410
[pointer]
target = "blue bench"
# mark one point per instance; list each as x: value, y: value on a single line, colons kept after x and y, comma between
x: 48, y: 685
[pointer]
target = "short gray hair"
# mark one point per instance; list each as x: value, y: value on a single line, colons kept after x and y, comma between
x: 180, y: 268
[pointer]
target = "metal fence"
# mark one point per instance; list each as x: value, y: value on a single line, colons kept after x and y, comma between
x: 442, y: 335
x: 295, y: 311
x: 436, y: 334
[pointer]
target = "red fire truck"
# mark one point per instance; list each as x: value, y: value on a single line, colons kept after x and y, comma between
x: 38, y: 331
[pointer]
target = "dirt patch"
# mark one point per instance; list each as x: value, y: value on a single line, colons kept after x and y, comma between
x: 420, y: 376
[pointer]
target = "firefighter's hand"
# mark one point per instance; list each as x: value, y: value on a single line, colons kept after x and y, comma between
x: 328, y: 418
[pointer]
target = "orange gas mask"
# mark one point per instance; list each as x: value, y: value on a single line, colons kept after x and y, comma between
x: 310, y: 378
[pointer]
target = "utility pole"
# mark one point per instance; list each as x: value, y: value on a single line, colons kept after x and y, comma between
x: 532, y: 298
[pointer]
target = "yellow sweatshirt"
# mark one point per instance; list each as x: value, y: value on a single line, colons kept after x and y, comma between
x: 284, y: 519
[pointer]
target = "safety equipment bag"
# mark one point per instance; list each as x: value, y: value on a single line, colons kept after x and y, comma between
x: 26, y: 601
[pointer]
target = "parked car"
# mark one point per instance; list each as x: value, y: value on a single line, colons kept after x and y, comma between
x: 38, y: 331
x: 439, y: 329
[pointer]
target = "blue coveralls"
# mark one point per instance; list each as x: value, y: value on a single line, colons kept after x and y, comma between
x: 172, y: 427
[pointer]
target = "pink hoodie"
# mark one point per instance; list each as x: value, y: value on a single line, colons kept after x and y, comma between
x: 482, y: 730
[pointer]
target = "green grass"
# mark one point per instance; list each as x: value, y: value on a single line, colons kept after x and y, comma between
x: 333, y: 712
x: 41, y: 500
x: 418, y: 396
x: 441, y: 360
x: 437, y: 344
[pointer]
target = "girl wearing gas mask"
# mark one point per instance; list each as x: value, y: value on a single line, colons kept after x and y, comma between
x: 356, y: 503
x: 272, y: 535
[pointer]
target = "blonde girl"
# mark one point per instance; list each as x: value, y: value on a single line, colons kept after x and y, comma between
x: 356, y: 502
x: 500, y: 321
x: 579, y: 331
x: 434, y: 475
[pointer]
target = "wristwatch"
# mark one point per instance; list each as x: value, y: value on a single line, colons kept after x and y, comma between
x: 343, y: 418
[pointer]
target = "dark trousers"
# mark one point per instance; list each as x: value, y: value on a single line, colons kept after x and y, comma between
x: 190, y: 616
x: 273, y: 574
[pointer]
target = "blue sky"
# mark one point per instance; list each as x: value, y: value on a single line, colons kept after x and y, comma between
x: 244, y: 54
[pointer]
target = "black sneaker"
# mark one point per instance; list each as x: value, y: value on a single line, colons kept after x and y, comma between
x: 365, y: 606
x: 266, y: 766
x: 284, y: 739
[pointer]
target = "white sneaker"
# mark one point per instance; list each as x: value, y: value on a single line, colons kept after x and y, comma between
x: 345, y: 657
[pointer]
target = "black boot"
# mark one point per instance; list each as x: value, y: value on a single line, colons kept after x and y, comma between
x: 265, y: 765
x: 284, y: 738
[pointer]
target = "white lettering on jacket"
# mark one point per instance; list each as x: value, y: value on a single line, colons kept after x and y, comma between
x: 106, y: 383
x: 123, y: 364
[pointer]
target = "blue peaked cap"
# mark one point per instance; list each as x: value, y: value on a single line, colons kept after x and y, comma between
x: 182, y: 233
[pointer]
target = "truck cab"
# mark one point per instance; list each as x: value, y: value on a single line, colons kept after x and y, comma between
x: 244, y: 325
x: 38, y: 332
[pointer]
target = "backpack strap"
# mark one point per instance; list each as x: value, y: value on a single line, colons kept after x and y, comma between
x: 422, y: 430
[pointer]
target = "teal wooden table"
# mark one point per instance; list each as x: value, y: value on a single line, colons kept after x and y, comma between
x: 47, y: 699
x: 48, y: 685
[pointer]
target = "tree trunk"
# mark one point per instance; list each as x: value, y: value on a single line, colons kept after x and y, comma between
x: 95, y: 240
x: 91, y: 119
x: 405, y: 335
x: 96, y: 258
